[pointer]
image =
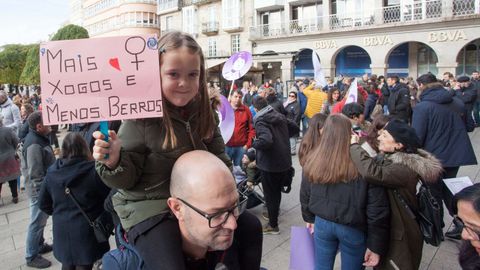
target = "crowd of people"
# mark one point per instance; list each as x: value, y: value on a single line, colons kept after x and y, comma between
x: 166, y: 183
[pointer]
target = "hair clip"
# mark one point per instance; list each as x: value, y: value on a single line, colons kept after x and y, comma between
x: 161, y: 50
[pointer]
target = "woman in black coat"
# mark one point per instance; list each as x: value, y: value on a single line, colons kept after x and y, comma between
x: 293, y: 113
x: 349, y: 214
x: 74, y: 242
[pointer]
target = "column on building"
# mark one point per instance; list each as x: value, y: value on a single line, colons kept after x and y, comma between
x: 447, y: 8
x: 378, y: 11
x: 286, y: 73
x: 412, y: 59
x: 379, y: 69
x: 286, y: 17
x: 326, y: 6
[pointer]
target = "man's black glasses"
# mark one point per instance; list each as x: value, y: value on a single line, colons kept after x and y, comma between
x: 218, y: 219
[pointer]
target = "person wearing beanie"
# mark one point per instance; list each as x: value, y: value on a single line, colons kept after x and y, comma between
x: 438, y: 117
x: 398, y: 168
x: 250, y: 167
x: 466, y: 91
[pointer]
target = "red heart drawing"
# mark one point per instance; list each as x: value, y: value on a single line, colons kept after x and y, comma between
x: 114, y: 63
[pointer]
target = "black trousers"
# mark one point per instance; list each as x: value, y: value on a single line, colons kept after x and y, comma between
x: 246, y: 250
x: 272, y: 189
x: 13, y: 187
x: 159, y: 243
x: 77, y: 267
x: 441, y: 192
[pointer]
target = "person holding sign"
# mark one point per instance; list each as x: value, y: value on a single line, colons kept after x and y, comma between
x: 141, y: 158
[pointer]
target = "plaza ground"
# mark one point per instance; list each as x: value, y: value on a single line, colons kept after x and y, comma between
x: 14, y: 219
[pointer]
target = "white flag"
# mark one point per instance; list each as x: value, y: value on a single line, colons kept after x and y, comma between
x: 318, y: 72
x: 352, y: 92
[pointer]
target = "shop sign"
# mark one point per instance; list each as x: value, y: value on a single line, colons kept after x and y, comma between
x: 377, y: 41
x: 325, y: 44
x: 448, y: 35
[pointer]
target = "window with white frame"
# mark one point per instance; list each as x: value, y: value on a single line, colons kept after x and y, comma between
x: 231, y: 13
x: 189, y: 19
x: 212, y: 16
x: 168, y: 23
x: 235, y: 43
x: 212, y: 47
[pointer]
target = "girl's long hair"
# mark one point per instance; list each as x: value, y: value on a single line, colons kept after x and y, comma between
x: 205, y: 126
x: 330, y: 95
x: 329, y: 161
x: 312, y: 137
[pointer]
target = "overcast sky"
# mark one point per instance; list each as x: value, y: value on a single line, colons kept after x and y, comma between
x: 31, y: 21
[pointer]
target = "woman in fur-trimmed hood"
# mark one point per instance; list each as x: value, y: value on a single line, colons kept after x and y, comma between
x: 399, y: 168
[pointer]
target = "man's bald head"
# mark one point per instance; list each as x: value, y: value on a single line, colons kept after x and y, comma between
x: 196, y: 172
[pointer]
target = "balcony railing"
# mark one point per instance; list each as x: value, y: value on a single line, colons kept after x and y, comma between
x: 465, y: 7
x: 197, y: 2
x: 210, y: 28
x: 424, y: 12
x: 233, y: 23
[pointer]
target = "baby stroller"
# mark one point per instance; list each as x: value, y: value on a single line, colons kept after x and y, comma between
x: 253, y: 193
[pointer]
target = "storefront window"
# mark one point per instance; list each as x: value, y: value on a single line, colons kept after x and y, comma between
x: 426, y: 60
x: 469, y: 58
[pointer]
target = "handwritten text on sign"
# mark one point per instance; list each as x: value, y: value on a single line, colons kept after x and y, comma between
x: 88, y: 80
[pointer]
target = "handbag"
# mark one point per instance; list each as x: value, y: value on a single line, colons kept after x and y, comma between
x: 102, y: 225
x: 429, y: 215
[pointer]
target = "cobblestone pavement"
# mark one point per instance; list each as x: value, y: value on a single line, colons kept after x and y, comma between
x: 14, y: 220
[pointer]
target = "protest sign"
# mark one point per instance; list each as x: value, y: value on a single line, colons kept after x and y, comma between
x: 89, y: 80
x: 302, y: 249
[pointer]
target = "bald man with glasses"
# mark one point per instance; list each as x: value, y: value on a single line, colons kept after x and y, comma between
x: 205, y: 201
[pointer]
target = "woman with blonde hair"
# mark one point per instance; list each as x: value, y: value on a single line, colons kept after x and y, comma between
x: 350, y: 214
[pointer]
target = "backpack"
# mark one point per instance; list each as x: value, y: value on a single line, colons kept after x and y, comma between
x: 124, y: 257
x: 429, y: 215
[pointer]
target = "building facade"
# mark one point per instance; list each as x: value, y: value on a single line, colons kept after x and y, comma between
x: 116, y: 17
x: 351, y: 37
x: 221, y: 27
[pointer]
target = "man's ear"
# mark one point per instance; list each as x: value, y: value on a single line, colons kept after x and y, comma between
x: 175, y: 207
x: 38, y: 126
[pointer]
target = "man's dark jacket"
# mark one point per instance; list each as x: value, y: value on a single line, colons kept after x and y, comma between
x: 437, y: 119
x: 272, y: 141
x: 399, y: 102
x: 38, y: 156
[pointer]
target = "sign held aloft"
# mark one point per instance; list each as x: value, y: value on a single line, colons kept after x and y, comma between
x: 91, y: 80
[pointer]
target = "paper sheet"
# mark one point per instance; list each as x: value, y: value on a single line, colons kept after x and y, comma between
x: 455, y: 185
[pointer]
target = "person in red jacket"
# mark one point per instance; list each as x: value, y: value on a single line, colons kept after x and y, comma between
x: 243, y: 132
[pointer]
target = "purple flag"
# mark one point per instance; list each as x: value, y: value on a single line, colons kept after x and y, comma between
x: 302, y: 249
